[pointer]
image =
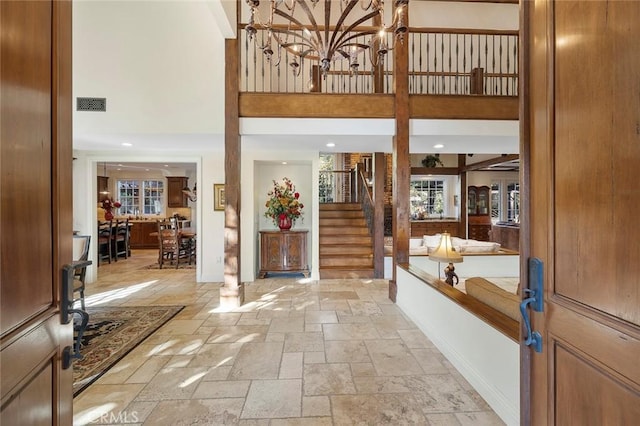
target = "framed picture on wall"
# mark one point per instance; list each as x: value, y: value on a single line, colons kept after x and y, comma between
x: 218, y: 196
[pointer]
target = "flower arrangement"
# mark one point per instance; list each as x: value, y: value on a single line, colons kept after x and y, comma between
x: 108, y: 205
x: 283, y: 203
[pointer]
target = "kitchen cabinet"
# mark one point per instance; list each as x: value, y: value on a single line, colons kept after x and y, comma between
x: 140, y: 237
x: 175, y: 196
x: 103, y: 188
x: 479, y: 214
x: 283, y: 251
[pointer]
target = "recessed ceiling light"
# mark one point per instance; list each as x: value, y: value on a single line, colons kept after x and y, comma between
x: 438, y: 146
x: 127, y: 144
x: 120, y: 165
x: 331, y: 144
x: 166, y: 165
x: 284, y: 162
x: 118, y: 168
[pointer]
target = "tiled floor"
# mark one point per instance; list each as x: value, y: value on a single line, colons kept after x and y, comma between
x: 299, y: 352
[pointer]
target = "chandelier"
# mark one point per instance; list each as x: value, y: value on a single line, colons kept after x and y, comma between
x: 296, y: 30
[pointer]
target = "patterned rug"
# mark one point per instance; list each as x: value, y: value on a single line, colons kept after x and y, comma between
x: 112, y: 333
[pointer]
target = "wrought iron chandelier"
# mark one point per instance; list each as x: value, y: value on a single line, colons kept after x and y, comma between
x: 297, y: 31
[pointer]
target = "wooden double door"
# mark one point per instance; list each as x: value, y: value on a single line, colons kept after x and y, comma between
x: 35, y: 213
x: 581, y: 127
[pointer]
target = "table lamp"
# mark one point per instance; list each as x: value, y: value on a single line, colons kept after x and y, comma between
x: 445, y: 252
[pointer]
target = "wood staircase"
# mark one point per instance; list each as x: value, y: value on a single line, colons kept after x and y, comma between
x: 346, y: 249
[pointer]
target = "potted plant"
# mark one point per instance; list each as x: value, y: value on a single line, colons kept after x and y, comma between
x: 283, y: 206
x: 432, y: 160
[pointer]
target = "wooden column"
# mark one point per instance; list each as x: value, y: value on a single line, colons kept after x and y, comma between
x: 401, y: 161
x: 462, y: 162
x: 232, y: 292
x: 379, y: 172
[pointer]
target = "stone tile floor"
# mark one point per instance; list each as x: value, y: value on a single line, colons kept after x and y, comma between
x: 299, y: 352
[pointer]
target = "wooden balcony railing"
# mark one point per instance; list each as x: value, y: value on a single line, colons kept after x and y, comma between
x: 441, y: 61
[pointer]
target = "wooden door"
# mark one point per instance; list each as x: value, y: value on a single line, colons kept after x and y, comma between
x: 581, y: 114
x: 35, y: 213
x: 175, y: 196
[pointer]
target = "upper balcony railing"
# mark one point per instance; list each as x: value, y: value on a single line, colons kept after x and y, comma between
x: 442, y: 61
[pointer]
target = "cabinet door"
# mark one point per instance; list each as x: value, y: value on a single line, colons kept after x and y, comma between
x: 295, y: 251
x: 271, y: 252
x: 483, y: 200
x: 471, y: 200
x: 175, y: 196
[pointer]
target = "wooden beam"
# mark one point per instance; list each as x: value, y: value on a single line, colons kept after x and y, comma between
x: 379, y: 172
x: 491, y: 162
x: 232, y: 292
x: 401, y: 161
x: 316, y: 105
x: 462, y: 229
x: 464, y: 107
x: 447, y: 171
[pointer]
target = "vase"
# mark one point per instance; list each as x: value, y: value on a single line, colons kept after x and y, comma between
x: 284, y: 222
x: 108, y: 215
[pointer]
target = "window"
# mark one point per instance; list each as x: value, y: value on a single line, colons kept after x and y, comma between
x: 505, y: 201
x: 513, y: 202
x: 327, y: 178
x: 138, y: 197
x: 427, y: 198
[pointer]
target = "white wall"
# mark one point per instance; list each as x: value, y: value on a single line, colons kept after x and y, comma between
x: 259, y: 169
x: 485, y: 178
x: 442, y: 14
x: 488, y: 360
x: 160, y: 64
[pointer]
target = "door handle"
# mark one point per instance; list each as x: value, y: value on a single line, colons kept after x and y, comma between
x: 535, y: 299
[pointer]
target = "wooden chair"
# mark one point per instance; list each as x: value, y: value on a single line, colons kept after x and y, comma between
x: 120, y: 239
x: 80, y: 253
x: 170, y: 247
x: 105, y: 230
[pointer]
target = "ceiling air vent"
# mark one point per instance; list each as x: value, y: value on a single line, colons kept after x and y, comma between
x: 91, y: 104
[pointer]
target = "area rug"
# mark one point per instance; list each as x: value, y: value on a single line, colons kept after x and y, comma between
x: 112, y: 333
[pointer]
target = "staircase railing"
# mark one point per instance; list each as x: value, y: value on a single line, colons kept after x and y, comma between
x: 364, y: 198
x: 442, y: 61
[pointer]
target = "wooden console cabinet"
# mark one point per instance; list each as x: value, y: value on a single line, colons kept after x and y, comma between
x: 283, y: 251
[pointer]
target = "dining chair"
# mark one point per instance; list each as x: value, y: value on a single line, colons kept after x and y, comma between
x: 80, y: 253
x: 120, y: 239
x: 105, y: 231
x: 170, y: 247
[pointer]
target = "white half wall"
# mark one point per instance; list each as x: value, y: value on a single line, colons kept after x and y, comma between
x: 488, y: 360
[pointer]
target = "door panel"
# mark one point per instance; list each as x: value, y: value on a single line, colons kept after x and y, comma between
x: 26, y: 162
x: 581, y: 123
x: 35, y: 172
x: 597, y: 189
x: 619, y: 401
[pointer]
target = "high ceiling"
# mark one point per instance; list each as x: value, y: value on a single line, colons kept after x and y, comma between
x: 160, y: 65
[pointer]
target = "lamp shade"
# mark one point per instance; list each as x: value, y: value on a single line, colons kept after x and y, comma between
x: 445, y: 251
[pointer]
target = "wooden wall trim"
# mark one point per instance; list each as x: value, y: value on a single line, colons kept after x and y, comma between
x: 379, y: 175
x: 316, y: 105
x: 464, y: 107
x: 445, y: 171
